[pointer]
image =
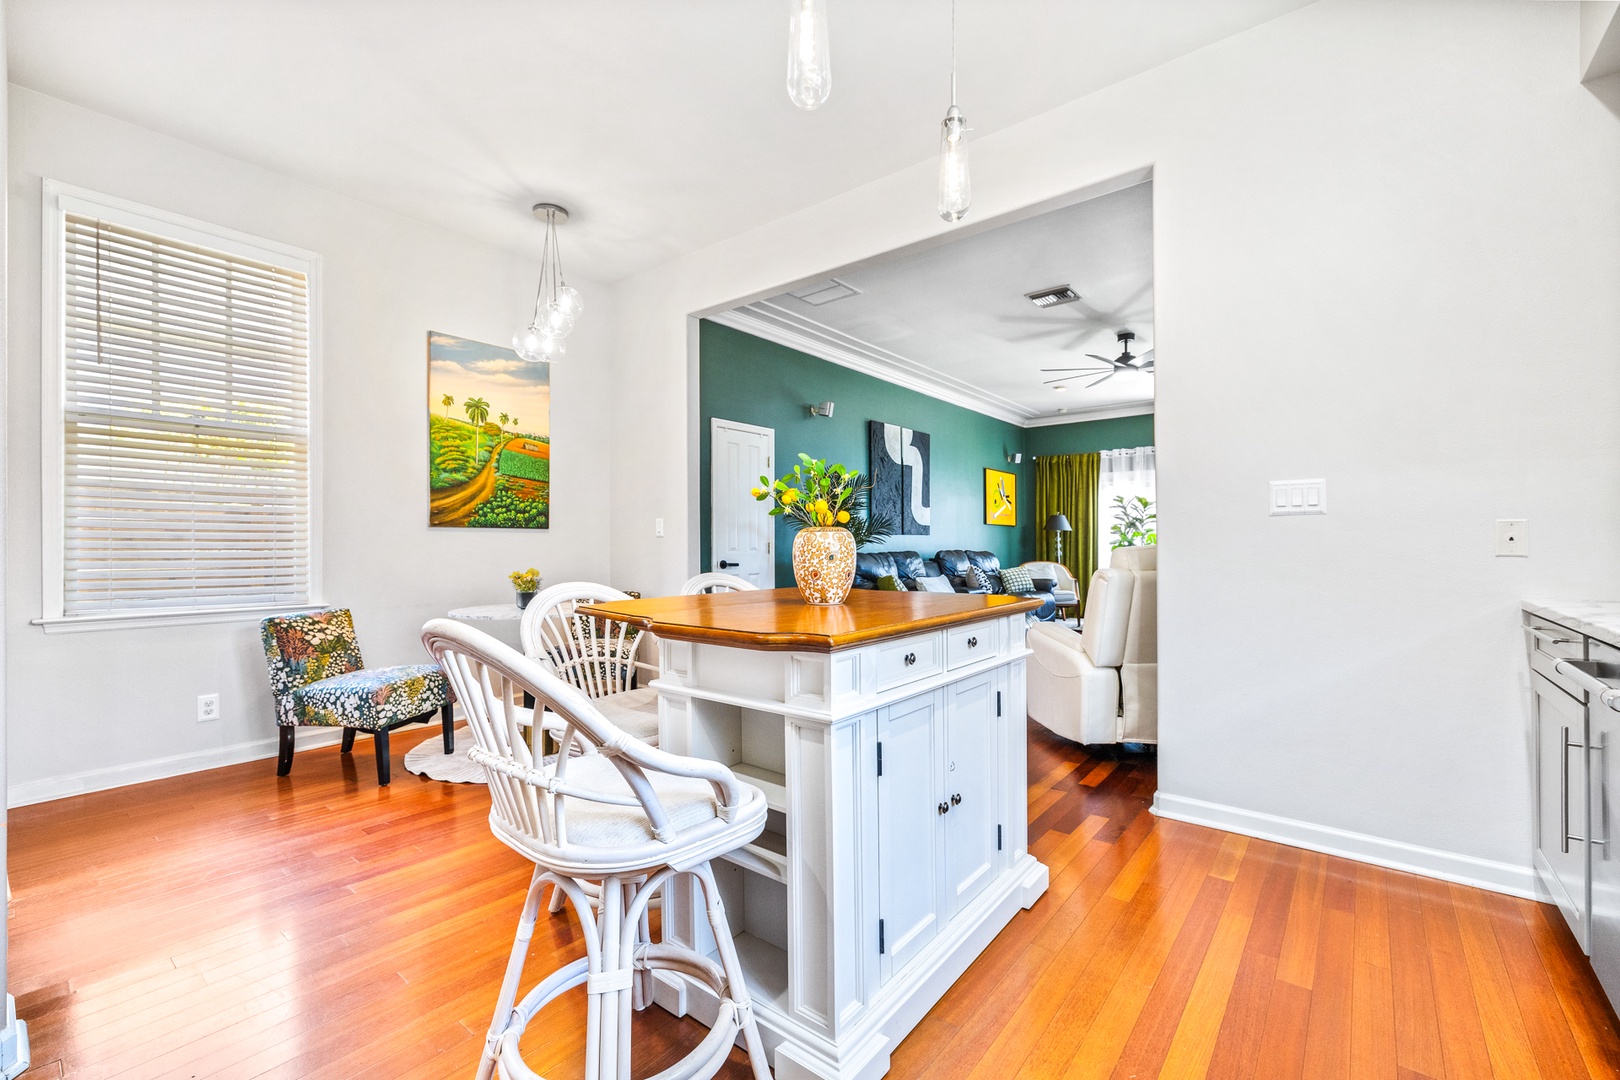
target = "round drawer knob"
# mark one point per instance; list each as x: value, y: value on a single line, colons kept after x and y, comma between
x: 911, y: 658
x: 973, y: 643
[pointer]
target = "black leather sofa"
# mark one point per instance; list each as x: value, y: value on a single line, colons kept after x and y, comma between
x: 949, y: 563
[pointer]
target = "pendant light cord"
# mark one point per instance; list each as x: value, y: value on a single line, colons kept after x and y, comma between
x: 953, y: 52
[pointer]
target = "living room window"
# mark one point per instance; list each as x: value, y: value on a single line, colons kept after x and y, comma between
x: 178, y: 457
x: 1127, y: 474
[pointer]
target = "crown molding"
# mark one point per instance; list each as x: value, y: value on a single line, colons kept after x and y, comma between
x: 774, y: 323
x: 1107, y: 412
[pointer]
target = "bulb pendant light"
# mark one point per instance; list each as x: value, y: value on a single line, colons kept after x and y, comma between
x: 809, y: 73
x: 556, y: 306
x: 955, y: 187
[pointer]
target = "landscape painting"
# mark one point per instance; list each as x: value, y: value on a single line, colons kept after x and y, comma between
x: 489, y: 437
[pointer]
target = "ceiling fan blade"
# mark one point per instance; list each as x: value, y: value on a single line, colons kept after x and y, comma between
x: 1102, y: 380
x: 1144, y: 361
x: 1072, y: 378
x: 1104, y: 359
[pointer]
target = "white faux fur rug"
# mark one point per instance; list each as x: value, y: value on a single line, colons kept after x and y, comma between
x: 428, y: 759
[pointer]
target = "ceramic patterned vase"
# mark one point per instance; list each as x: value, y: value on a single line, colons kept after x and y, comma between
x: 824, y: 564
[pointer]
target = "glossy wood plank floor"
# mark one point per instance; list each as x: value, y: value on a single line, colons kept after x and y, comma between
x: 229, y: 924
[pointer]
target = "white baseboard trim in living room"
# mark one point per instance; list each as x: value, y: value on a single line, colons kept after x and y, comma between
x: 1429, y: 862
x: 61, y: 787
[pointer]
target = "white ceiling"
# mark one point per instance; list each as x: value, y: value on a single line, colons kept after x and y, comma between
x: 664, y: 125
x: 954, y: 321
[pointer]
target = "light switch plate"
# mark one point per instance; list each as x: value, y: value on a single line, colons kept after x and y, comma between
x: 658, y: 526
x: 1297, y: 498
x: 1512, y: 537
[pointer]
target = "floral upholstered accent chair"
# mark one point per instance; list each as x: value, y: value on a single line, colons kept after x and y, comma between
x: 318, y: 679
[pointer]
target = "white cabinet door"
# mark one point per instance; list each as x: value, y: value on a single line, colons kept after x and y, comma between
x: 1561, y: 803
x: 908, y: 832
x: 971, y: 743
x: 1604, y: 760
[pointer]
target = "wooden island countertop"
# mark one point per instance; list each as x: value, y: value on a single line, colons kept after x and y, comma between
x: 780, y: 619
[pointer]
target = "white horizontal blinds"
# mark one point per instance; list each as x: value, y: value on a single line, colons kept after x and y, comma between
x: 186, y: 425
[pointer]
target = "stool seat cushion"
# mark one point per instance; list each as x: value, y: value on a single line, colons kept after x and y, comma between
x: 371, y: 699
x: 634, y: 712
x: 687, y: 801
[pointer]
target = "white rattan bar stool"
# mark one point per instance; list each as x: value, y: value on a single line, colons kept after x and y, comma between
x: 608, y: 829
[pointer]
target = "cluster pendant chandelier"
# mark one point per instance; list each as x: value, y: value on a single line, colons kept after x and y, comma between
x: 556, y: 306
x: 809, y: 82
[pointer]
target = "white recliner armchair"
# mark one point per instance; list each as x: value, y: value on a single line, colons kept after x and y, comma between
x: 1101, y: 685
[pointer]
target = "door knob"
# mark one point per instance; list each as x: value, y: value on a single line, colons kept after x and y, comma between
x: 944, y: 808
x: 956, y: 800
x: 727, y: 565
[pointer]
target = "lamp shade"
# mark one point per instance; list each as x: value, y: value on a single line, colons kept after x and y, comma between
x: 1058, y: 523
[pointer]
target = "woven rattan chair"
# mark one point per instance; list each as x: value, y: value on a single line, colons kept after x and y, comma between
x: 608, y: 829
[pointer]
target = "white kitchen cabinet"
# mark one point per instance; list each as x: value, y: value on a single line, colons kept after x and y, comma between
x: 1561, y: 802
x: 971, y: 820
x: 911, y: 741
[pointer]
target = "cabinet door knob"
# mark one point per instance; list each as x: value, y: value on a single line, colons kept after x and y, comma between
x: 944, y: 808
x: 973, y: 643
x: 956, y: 800
x: 911, y: 658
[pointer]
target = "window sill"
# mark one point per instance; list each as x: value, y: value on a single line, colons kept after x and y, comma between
x: 143, y: 620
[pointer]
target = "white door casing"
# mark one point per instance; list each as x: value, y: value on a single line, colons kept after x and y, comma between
x: 741, y: 528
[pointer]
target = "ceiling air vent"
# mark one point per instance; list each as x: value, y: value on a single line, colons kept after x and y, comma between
x: 825, y: 292
x: 1058, y: 294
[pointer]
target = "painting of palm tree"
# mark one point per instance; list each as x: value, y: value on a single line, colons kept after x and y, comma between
x: 483, y: 474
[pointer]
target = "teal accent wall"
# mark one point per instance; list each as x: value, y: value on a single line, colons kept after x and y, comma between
x: 745, y: 378
x: 1089, y: 436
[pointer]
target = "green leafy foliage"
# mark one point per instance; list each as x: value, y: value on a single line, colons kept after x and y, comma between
x: 1135, y: 522
x: 506, y: 509
x: 526, y: 466
x: 452, y: 457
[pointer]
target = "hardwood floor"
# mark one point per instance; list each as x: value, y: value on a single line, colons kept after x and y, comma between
x: 229, y: 924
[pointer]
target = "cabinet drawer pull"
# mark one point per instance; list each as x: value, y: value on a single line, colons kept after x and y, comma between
x: 1550, y: 639
x: 944, y: 808
x: 956, y: 800
x: 911, y: 658
x: 973, y: 643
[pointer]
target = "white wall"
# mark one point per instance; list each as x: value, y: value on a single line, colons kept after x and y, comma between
x: 108, y: 703
x: 1387, y: 253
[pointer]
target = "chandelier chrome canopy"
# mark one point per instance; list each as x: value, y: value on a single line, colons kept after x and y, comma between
x: 556, y: 306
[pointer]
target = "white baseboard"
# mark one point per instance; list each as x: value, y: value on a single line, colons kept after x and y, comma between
x: 1429, y: 862
x: 138, y: 772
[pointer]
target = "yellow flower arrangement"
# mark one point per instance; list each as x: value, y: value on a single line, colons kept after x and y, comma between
x: 821, y: 495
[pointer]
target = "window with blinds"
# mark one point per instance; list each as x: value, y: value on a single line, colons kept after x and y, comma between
x: 185, y: 425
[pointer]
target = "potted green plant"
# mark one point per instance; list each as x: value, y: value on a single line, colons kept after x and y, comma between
x: 1136, y: 524
x: 527, y: 583
x: 827, y: 505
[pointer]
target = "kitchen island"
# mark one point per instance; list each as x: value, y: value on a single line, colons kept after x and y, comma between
x: 888, y: 736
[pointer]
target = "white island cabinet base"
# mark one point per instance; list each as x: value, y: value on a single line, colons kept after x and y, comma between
x: 868, y: 895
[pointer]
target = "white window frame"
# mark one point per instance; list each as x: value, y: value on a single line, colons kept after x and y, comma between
x: 59, y: 200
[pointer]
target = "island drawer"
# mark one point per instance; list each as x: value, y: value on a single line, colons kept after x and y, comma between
x: 908, y: 659
x: 965, y: 644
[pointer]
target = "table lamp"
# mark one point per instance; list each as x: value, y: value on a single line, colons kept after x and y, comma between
x: 1059, y: 524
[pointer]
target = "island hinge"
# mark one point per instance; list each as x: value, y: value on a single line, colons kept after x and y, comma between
x: 998, y: 837
x: 998, y: 702
x: 880, y: 758
x: 880, y: 937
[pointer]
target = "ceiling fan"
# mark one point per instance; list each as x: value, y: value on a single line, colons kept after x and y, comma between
x: 1125, y: 361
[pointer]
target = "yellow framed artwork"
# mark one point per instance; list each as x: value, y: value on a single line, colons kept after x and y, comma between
x: 1000, y: 497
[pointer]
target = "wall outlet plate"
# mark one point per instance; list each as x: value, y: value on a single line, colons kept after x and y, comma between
x: 1512, y: 537
x: 1298, y: 498
x: 207, y: 707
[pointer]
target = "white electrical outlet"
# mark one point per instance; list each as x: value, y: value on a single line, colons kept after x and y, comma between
x: 658, y: 526
x: 207, y: 707
x: 1512, y: 537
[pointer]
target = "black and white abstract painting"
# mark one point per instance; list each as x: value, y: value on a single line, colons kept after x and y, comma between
x: 900, y: 476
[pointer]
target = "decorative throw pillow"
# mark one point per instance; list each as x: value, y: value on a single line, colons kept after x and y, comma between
x: 890, y: 583
x: 980, y: 580
x: 1017, y: 580
x: 933, y: 584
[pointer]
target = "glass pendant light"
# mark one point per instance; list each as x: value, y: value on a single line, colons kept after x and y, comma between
x: 809, y: 74
x: 955, y: 188
x: 556, y: 306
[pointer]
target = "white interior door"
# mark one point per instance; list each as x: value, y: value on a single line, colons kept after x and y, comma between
x: 741, y: 529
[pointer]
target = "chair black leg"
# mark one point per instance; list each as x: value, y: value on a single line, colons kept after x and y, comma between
x: 284, y: 758
x: 379, y: 746
x: 348, y: 740
x: 449, y: 713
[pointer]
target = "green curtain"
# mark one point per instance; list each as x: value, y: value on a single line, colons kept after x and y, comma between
x: 1067, y: 485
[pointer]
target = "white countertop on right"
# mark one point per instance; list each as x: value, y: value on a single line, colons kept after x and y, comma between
x: 1598, y: 618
